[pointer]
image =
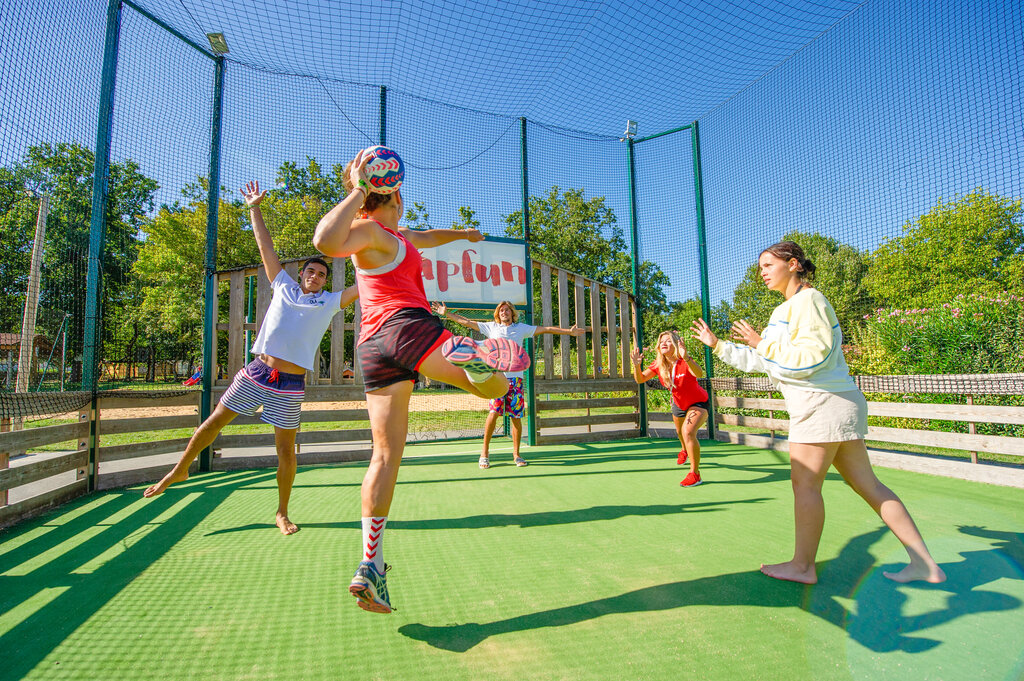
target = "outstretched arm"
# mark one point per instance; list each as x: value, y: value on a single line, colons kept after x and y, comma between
x: 253, y: 198
x: 438, y: 237
x: 348, y: 296
x: 574, y: 331
x: 442, y: 309
x: 639, y: 375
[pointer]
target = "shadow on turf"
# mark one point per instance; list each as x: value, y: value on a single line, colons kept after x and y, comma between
x: 878, y: 623
x: 28, y: 572
x: 582, y: 515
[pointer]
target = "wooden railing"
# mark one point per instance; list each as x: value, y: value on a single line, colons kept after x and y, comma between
x: 972, y: 386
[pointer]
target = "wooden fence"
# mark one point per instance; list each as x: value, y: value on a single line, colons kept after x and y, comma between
x: 589, y: 383
x: 970, y: 385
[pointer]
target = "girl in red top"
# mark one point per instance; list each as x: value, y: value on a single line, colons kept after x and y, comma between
x: 399, y: 338
x: 677, y: 371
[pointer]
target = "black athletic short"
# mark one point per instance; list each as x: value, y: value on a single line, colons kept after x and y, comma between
x: 394, y: 353
x: 680, y: 413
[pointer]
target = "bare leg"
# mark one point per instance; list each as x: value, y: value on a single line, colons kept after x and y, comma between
x: 436, y: 367
x: 809, y: 463
x: 695, y: 418
x: 204, y: 436
x: 517, y: 435
x: 284, y: 439
x: 489, y: 425
x: 853, y: 464
x: 389, y: 421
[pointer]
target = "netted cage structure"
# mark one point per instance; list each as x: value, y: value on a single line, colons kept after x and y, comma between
x: 883, y: 136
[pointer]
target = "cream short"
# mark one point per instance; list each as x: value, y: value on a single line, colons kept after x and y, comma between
x: 825, y: 417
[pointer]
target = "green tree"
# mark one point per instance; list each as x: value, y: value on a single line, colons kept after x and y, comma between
x: 417, y: 216
x: 467, y: 219
x: 295, y: 182
x: 839, y: 275
x: 974, y: 243
x: 567, y: 230
x: 64, y: 172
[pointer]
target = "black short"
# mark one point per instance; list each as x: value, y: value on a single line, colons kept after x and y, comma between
x: 680, y: 413
x: 394, y: 353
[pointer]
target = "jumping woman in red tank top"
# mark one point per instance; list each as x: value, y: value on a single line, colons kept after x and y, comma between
x: 399, y: 338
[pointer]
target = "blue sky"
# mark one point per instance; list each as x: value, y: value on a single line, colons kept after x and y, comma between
x: 841, y: 117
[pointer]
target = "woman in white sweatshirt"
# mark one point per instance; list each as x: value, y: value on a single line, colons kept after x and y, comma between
x: 801, y: 351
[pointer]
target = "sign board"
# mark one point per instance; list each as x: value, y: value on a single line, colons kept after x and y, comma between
x: 480, y: 274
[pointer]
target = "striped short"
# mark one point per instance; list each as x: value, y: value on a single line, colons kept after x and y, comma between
x: 279, y: 394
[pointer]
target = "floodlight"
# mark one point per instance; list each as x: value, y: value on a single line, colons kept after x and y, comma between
x: 217, y: 43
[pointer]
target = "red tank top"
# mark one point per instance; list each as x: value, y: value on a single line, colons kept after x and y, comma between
x: 385, y: 290
x: 685, y: 388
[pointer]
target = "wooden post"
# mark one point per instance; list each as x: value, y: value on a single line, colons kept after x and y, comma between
x: 28, y: 319
x: 563, y: 321
x: 971, y: 430
x: 547, y: 319
x: 236, y: 321
x: 338, y: 324
x: 580, y: 312
x: 83, y: 443
x: 624, y: 329
x: 613, y: 350
x: 595, y: 323
x: 5, y: 457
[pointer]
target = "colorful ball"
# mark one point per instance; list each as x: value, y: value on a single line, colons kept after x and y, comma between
x: 385, y: 171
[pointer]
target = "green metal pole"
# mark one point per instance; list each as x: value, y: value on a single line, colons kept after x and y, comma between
x: 702, y: 251
x: 98, y: 223
x: 531, y: 423
x: 212, y: 210
x: 383, y: 115
x: 634, y: 239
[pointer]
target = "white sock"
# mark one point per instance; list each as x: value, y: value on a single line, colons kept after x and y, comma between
x: 373, y: 540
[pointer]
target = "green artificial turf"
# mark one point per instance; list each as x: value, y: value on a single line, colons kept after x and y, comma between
x: 591, y: 563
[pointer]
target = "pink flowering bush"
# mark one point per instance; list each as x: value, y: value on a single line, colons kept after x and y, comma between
x: 973, y: 333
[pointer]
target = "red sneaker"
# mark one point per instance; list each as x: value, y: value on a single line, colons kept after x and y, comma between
x: 683, y: 457
x: 691, y: 480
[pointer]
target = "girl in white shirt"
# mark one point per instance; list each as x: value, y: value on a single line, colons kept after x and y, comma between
x: 801, y: 351
x: 505, y: 325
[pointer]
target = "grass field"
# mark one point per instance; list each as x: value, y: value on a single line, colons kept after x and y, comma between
x: 591, y: 563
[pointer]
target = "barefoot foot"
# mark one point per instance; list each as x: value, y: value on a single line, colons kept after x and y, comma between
x: 286, y: 526
x: 791, y: 572
x: 918, y: 572
x: 174, y: 476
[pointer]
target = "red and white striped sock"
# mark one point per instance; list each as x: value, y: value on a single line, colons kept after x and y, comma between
x: 373, y: 540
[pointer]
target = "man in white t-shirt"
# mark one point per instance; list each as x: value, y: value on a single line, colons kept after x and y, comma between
x: 285, y: 348
x: 505, y: 325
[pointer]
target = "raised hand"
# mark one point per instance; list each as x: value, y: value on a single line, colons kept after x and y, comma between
x: 357, y: 173
x: 702, y: 332
x: 439, y: 309
x: 637, y: 356
x: 743, y: 331
x: 252, y: 194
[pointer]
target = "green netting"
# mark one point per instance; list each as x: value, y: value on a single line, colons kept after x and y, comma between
x: 882, y: 135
